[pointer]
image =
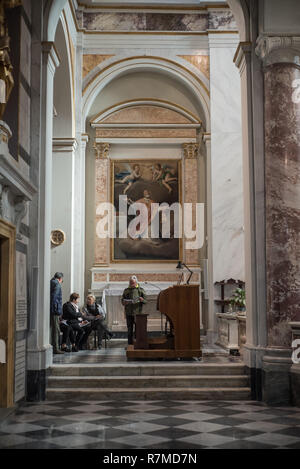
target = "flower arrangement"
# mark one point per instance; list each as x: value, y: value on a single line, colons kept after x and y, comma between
x: 239, y: 299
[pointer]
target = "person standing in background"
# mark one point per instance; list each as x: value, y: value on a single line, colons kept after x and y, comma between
x: 133, y: 299
x: 55, y: 310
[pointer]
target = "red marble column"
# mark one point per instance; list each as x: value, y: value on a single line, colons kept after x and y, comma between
x: 282, y: 182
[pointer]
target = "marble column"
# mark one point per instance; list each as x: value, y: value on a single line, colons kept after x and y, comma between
x: 282, y: 184
x: 39, y: 356
x: 282, y: 175
x: 102, y: 185
x: 190, y: 180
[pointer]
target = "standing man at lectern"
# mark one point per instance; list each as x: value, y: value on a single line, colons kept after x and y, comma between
x: 133, y: 299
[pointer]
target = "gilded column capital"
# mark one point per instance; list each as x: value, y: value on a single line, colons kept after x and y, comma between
x: 278, y: 49
x: 101, y: 150
x: 190, y: 150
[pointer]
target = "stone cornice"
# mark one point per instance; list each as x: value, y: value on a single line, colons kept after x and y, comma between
x: 278, y: 49
x: 64, y: 144
x: 243, y: 50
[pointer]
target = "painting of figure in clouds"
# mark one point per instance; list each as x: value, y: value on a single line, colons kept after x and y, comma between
x: 146, y: 197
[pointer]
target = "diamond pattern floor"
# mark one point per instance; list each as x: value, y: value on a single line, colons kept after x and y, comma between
x: 151, y: 425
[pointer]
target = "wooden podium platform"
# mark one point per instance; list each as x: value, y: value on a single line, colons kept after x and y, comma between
x: 180, y: 304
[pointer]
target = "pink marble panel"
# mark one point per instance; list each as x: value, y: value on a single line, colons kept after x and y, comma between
x: 191, y: 196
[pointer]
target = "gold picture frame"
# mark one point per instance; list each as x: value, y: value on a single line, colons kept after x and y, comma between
x: 135, y: 193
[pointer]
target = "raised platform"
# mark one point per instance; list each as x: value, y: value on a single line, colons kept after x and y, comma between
x: 107, y: 374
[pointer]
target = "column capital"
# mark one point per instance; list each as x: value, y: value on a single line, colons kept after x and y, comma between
x: 278, y: 49
x: 49, y: 49
x: 190, y: 150
x: 101, y: 150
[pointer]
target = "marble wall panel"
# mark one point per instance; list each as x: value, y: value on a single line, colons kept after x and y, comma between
x: 282, y: 175
x: 221, y: 20
x: 90, y: 61
x: 144, y: 21
x: 146, y: 277
x: 146, y: 115
x: 191, y: 196
x: 227, y: 207
x: 199, y: 61
x: 101, y: 186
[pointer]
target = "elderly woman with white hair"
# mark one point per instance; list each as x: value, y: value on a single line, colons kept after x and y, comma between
x: 133, y: 298
x: 94, y: 313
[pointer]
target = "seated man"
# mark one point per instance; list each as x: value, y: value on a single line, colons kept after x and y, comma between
x: 94, y: 313
x: 72, y: 315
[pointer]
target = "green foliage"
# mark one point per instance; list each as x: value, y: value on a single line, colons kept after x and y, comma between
x: 239, y: 298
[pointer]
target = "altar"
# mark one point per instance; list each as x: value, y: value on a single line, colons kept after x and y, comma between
x: 110, y: 285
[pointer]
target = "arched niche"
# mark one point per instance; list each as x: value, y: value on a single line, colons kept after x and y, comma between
x: 63, y: 94
x: 164, y: 70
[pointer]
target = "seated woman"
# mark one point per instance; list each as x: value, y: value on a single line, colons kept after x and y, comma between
x: 73, y: 317
x: 94, y: 313
x: 68, y: 336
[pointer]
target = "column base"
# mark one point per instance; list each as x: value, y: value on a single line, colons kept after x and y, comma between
x: 295, y: 384
x: 276, y: 383
x: 38, y: 363
x: 36, y: 385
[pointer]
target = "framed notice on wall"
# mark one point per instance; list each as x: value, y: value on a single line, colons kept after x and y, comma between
x: 21, y: 291
x: 146, y: 198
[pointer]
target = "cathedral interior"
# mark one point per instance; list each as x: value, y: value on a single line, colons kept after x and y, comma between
x: 190, y: 105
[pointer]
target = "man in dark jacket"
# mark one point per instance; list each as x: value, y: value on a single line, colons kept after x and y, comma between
x: 55, y: 309
x: 73, y: 317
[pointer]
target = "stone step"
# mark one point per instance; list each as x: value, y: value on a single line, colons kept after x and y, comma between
x: 165, y: 369
x: 147, y: 381
x: 164, y: 393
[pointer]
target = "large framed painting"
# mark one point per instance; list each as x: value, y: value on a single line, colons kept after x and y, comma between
x: 147, y: 202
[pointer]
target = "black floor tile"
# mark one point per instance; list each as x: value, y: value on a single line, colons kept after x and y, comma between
x: 244, y: 444
x: 171, y: 421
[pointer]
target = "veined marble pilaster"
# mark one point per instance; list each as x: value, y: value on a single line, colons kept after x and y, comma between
x: 280, y: 56
x: 190, y: 153
x: 282, y: 161
x: 101, y: 196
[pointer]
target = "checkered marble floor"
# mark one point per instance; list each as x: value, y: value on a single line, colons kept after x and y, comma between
x: 151, y: 425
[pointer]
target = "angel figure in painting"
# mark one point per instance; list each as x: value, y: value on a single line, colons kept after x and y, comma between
x: 131, y: 177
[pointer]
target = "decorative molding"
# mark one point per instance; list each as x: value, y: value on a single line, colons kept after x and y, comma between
x: 57, y: 237
x: 101, y: 150
x: 147, y: 58
x: 190, y: 150
x: 21, y: 208
x: 277, y: 49
x: 144, y: 101
x: 243, y: 51
x: 64, y: 145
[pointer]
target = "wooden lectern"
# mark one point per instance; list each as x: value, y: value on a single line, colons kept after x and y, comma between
x: 180, y: 304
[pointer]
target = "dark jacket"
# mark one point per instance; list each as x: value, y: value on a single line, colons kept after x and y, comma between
x: 134, y: 293
x: 55, y: 297
x: 70, y: 314
x: 89, y: 313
